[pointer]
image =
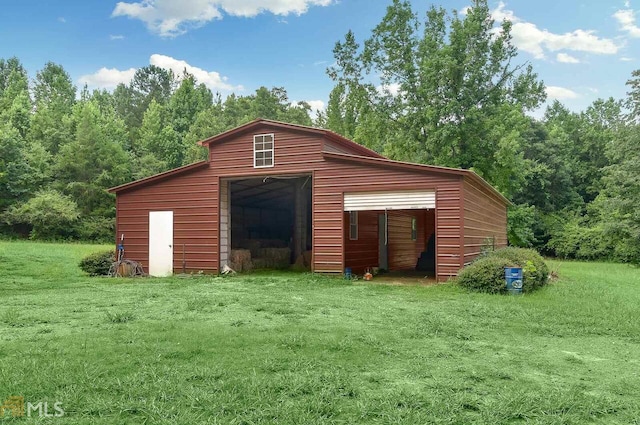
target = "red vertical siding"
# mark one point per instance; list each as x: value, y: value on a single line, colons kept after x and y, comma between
x: 295, y: 153
x: 335, y: 177
x: 193, y: 198
x: 485, y: 219
x: 448, y: 230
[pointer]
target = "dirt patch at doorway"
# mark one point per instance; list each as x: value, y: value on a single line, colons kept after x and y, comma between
x: 401, y: 278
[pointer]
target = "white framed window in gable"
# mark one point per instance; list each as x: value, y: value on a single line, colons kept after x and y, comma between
x: 263, y: 149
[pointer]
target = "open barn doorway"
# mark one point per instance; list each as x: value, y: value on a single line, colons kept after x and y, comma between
x: 392, y: 232
x: 396, y: 242
x: 270, y: 222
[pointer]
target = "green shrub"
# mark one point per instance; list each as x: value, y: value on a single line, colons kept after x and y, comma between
x: 485, y: 275
x: 535, y: 271
x: 95, y: 229
x: 575, y: 237
x: 49, y: 213
x: 98, y: 263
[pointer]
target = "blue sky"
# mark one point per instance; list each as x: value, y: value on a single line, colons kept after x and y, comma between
x: 582, y: 49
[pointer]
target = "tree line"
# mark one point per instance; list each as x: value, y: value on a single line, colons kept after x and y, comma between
x: 443, y: 89
x: 60, y: 150
x: 448, y: 89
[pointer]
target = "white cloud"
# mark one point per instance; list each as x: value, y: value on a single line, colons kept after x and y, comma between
x: 531, y: 39
x: 501, y: 13
x: 565, y: 58
x: 116, y: 37
x: 316, y: 106
x: 560, y: 93
x: 106, y: 78
x: 170, y: 18
x: 626, y: 59
x: 211, y: 79
x: 110, y: 78
x: 393, y: 89
x: 62, y: 20
x: 318, y: 63
x: 627, y: 20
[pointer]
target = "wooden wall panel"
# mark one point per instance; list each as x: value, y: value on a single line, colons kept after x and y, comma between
x: 363, y: 252
x: 403, y: 251
x: 330, y: 146
x: 429, y: 224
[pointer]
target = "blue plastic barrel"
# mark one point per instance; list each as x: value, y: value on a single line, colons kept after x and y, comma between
x: 347, y: 273
x: 513, y: 277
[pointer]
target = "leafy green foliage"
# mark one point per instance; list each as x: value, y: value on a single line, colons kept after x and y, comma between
x: 95, y: 229
x: 445, y: 89
x: 486, y: 274
x: 520, y: 225
x: 448, y: 90
x: 579, y: 236
x: 98, y: 263
x: 186, y: 102
x: 50, y: 214
x: 535, y: 270
x: 13, y: 167
x: 81, y: 147
x: 93, y: 162
x: 617, y: 203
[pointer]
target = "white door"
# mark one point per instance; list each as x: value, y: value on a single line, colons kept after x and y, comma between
x: 160, y: 243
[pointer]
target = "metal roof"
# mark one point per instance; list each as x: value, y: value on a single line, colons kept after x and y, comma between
x: 335, y: 137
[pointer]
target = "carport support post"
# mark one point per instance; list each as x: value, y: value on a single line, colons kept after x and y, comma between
x: 225, y: 223
x: 300, y: 220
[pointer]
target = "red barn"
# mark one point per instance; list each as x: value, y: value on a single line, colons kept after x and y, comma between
x: 310, y: 190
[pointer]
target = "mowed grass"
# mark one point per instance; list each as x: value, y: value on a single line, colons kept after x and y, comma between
x: 304, y: 349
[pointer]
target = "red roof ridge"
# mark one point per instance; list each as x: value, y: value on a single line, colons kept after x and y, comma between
x: 299, y: 127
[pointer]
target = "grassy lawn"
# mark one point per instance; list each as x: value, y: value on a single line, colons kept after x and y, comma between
x: 305, y: 349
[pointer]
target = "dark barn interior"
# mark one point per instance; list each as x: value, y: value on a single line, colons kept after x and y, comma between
x: 271, y: 222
